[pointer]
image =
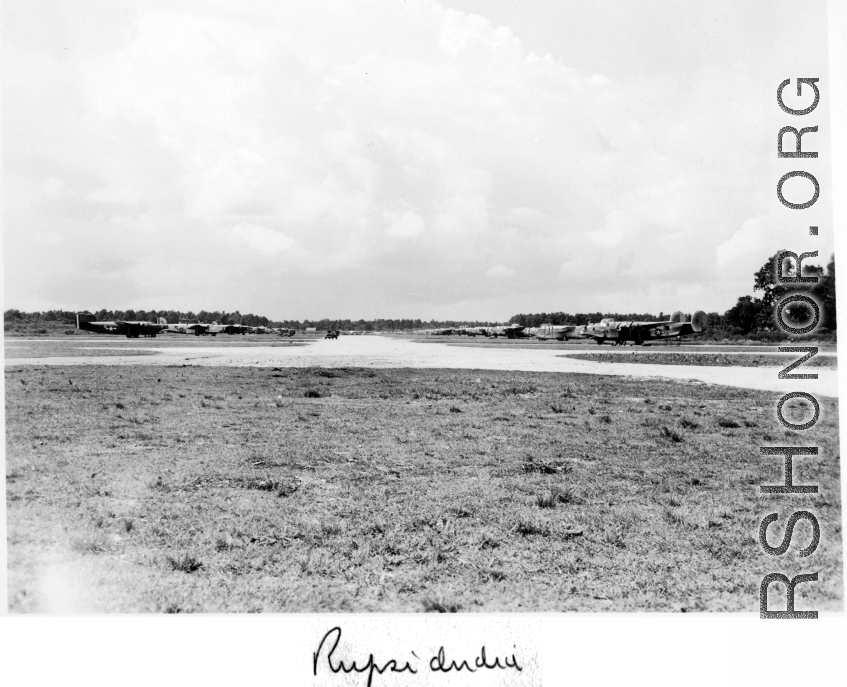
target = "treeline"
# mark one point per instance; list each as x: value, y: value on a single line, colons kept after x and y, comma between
x: 173, y: 316
x: 383, y: 325
x: 751, y: 317
x: 33, y: 322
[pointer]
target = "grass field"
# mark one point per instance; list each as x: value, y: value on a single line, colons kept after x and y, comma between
x: 708, y: 359
x: 185, y: 489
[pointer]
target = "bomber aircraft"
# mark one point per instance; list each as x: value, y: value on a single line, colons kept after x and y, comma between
x: 131, y: 329
x: 236, y: 328
x: 195, y: 328
x: 510, y: 331
x: 619, y: 333
x: 557, y: 332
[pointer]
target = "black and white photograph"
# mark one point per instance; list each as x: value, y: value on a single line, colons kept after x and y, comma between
x: 422, y: 306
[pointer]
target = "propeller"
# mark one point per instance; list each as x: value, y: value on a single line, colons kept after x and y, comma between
x: 699, y: 321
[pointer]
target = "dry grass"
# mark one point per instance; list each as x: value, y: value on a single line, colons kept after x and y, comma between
x: 375, y: 495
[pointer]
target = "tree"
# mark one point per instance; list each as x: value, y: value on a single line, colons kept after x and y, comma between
x: 824, y: 291
x: 744, y: 316
x: 773, y: 292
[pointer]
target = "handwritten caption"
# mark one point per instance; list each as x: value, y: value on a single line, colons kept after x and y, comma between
x: 440, y: 662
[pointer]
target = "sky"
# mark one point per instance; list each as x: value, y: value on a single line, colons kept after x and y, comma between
x: 465, y: 159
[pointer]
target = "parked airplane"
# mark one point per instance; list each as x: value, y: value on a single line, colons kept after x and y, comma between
x: 557, y: 332
x: 187, y: 328
x: 511, y: 331
x: 131, y: 329
x: 235, y: 328
x: 619, y: 333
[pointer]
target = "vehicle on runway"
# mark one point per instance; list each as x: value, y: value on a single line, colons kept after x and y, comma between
x: 332, y: 334
x: 621, y: 333
x: 131, y: 329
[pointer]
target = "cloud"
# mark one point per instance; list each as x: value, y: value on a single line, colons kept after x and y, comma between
x: 408, y: 225
x: 262, y: 239
x: 500, y: 272
x: 379, y: 149
x: 114, y: 194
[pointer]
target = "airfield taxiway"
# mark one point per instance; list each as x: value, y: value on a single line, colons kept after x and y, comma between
x: 396, y: 352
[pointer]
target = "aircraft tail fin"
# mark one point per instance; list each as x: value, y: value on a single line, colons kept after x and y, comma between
x: 162, y: 321
x: 699, y: 321
x: 677, y: 317
x: 83, y: 318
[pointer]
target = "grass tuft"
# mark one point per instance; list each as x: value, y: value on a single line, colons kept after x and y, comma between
x: 440, y: 604
x: 729, y: 423
x: 184, y: 563
x: 671, y: 434
x: 528, y: 528
x: 546, y: 499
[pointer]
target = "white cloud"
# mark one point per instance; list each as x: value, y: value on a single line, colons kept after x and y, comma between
x: 114, y: 194
x: 55, y: 188
x: 500, y: 272
x: 195, y: 141
x: 405, y: 225
x: 262, y: 239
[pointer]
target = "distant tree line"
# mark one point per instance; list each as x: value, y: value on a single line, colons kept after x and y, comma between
x: 17, y: 320
x: 751, y: 317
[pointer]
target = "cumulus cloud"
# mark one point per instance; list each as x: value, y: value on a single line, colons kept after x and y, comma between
x: 389, y: 153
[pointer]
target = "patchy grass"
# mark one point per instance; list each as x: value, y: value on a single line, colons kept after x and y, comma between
x: 374, y: 496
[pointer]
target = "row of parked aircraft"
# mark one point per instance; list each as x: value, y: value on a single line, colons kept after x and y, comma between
x: 605, y: 331
x: 134, y: 329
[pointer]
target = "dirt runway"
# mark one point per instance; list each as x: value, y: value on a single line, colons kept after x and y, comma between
x: 393, y: 352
